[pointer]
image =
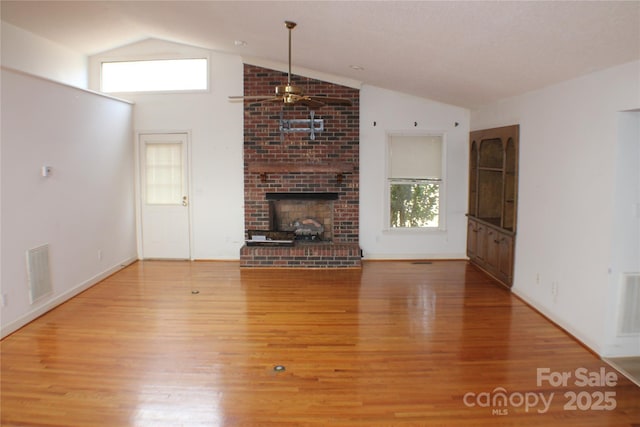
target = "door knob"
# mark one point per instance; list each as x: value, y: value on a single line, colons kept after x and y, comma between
x: 185, y: 201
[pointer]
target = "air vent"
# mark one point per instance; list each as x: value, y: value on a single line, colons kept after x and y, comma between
x: 629, y: 321
x: 38, y: 273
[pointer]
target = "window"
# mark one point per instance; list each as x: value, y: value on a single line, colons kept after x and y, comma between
x: 155, y: 75
x: 415, y: 181
x: 164, y: 173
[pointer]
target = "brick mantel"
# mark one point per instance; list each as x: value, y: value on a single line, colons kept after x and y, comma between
x: 285, y: 167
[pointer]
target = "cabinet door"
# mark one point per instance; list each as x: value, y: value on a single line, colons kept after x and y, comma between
x: 505, y: 258
x: 481, y: 243
x: 492, y: 250
x: 472, y: 239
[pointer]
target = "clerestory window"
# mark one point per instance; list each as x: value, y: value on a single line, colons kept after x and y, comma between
x: 162, y: 75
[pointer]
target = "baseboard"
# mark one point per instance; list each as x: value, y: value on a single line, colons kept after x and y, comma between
x: 616, y: 364
x: 26, y: 318
x: 588, y: 344
x: 412, y: 257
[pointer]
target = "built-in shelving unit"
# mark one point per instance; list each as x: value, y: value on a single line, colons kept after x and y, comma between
x: 493, y: 194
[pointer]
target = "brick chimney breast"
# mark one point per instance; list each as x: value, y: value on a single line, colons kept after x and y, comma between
x: 276, y: 162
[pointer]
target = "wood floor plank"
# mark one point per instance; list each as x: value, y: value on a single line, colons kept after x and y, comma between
x: 396, y: 343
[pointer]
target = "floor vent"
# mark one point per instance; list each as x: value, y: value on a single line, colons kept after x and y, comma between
x: 630, y: 305
x: 38, y: 273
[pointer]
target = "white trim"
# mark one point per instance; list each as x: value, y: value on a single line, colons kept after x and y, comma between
x: 616, y: 365
x: 21, y: 321
x: 102, y: 94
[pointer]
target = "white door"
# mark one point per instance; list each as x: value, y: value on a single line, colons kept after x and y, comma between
x: 164, y: 185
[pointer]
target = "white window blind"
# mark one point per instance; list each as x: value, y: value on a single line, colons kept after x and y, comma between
x: 164, y: 174
x: 415, y: 157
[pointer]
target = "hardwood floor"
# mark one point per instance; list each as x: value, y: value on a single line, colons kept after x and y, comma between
x: 396, y: 343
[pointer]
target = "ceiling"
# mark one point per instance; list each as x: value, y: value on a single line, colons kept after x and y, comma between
x: 458, y: 52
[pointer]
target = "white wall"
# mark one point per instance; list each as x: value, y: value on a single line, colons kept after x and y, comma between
x: 396, y: 112
x: 25, y: 51
x: 568, y: 135
x: 625, y: 248
x: 84, y: 210
x: 216, y: 129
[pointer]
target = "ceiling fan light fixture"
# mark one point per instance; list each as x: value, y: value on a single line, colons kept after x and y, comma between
x: 356, y: 67
x: 288, y: 90
x: 290, y: 94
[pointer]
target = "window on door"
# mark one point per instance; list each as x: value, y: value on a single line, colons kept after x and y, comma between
x: 163, y: 183
x: 415, y: 184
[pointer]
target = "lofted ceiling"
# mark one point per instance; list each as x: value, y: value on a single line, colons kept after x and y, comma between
x: 457, y: 52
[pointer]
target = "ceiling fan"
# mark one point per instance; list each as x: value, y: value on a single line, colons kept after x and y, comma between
x: 292, y: 95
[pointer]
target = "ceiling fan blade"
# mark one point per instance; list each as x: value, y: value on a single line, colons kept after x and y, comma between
x: 273, y: 99
x: 252, y: 98
x: 309, y: 102
x: 327, y: 100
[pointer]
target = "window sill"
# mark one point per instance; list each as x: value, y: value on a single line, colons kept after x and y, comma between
x: 417, y: 230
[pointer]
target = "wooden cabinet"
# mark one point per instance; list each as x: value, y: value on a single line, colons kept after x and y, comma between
x: 491, y: 248
x: 493, y: 193
x: 472, y: 238
x: 505, y: 259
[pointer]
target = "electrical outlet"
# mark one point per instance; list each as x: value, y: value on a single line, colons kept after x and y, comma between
x: 3, y: 300
x: 99, y: 254
x: 554, y: 289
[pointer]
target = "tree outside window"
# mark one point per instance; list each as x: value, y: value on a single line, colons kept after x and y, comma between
x: 414, y: 205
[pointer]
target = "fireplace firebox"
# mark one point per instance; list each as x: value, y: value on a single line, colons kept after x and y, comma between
x: 309, y: 216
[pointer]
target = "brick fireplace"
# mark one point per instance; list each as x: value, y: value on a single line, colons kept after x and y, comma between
x: 293, y: 183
